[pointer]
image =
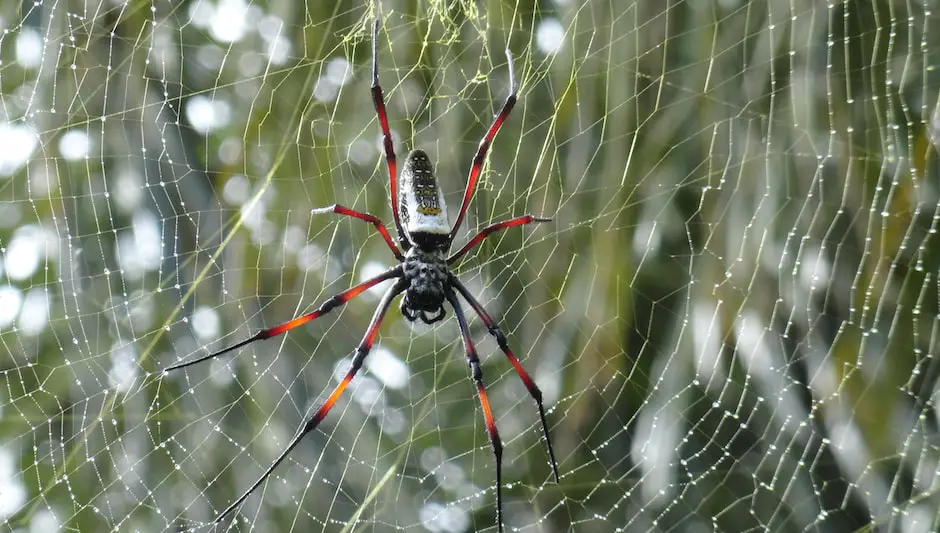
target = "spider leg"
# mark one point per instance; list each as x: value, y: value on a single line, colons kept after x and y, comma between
x: 378, y: 99
x: 477, y: 375
x: 361, y: 352
x: 523, y: 375
x: 324, y: 308
x: 487, y: 231
x: 375, y: 221
x: 484, y: 146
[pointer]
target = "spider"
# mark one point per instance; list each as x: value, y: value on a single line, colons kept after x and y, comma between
x: 423, y: 274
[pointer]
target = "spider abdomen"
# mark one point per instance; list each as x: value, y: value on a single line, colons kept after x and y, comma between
x: 423, y: 211
x: 426, y: 273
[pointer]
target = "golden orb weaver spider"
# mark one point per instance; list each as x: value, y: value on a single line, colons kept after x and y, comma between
x: 423, y: 275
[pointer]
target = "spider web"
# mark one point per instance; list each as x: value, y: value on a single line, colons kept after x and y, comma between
x: 733, y: 315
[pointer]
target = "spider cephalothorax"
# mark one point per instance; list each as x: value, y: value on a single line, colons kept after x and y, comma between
x: 423, y: 274
x: 426, y: 274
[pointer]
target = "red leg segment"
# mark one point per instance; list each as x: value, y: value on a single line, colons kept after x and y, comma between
x: 378, y: 100
x: 324, y: 308
x: 487, y: 231
x: 364, y: 347
x: 484, y: 146
x: 379, y: 225
x: 529, y: 383
x: 477, y: 374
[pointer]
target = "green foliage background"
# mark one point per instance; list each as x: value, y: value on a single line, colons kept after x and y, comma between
x: 734, y: 313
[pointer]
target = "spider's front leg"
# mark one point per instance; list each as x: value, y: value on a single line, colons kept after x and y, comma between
x: 360, y: 356
x: 476, y: 373
x: 327, y: 306
x: 533, y: 389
